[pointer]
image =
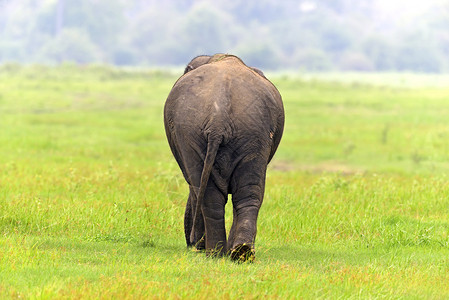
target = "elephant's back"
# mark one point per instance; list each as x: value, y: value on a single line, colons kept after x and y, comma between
x: 223, y: 81
x: 225, y: 98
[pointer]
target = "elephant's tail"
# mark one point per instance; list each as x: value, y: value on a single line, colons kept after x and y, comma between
x: 211, y: 153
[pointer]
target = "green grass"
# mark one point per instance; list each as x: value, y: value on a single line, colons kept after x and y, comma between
x: 91, y: 200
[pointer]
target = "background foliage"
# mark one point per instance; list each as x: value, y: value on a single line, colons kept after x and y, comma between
x: 309, y: 35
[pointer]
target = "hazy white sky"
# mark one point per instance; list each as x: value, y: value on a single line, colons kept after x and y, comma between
x: 403, y: 13
x: 414, y: 7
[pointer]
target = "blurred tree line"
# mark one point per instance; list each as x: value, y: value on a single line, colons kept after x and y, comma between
x: 309, y: 35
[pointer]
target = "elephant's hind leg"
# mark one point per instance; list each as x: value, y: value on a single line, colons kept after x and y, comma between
x: 248, y: 190
x: 213, y: 210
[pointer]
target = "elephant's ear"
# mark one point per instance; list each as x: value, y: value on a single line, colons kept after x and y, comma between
x: 188, y: 68
x: 197, y: 62
x: 259, y: 72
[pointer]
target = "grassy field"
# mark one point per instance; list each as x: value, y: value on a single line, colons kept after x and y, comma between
x: 91, y: 200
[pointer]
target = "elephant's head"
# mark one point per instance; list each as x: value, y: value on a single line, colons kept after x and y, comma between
x: 205, y: 59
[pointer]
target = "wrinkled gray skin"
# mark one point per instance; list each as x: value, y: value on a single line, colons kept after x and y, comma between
x: 224, y: 122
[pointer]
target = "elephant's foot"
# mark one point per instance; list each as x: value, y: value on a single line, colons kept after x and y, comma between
x: 198, y: 246
x: 201, y: 244
x: 243, y: 253
x: 217, y: 251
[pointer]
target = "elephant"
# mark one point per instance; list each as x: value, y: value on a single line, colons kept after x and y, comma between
x: 224, y: 122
